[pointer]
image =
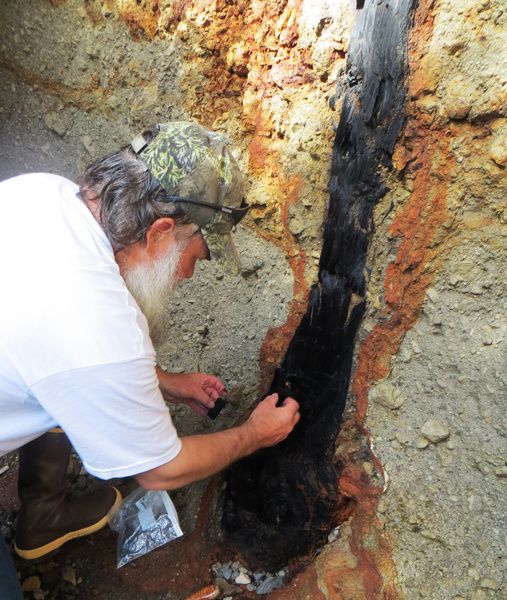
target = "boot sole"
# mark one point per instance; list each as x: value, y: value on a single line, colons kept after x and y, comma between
x: 50, y: 548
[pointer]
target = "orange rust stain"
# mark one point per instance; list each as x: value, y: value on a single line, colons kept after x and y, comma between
x: 304, y: 586
x: 277, y: 338
x: 141, y: 18
x: 354, y: 483
x: 413, y: 270
x: 258, y: 153
x: 375, y: 563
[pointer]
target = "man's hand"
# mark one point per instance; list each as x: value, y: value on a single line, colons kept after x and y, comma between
x: 204, y: 455
x: 198, y: 390
x: 272, y: 423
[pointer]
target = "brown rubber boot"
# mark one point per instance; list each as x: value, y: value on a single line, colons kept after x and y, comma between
x: 47, y: 519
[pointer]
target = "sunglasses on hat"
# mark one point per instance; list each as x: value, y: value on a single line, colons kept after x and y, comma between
x: 235, y: 213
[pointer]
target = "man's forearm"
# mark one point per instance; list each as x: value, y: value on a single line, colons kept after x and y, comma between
x: 205, y: 455
x: 202, y: 456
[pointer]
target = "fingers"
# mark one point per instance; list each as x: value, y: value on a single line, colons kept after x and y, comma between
x: 272, y: 399
x: 213, y: 385
x: 292, y: 404
x: 198, y: 408
x: 293, y: 407
x: 212, y: 393
x: 289, y: 402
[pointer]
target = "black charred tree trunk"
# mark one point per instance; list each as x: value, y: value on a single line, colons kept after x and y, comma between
x: 281, y: 501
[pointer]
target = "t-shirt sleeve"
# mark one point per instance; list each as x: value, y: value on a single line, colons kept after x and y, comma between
x: 114, y: 415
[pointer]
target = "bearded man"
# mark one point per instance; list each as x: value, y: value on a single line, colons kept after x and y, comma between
x: 86, y: 270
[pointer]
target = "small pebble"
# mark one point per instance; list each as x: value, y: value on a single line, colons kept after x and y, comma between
x: 242, y: 579
x: 269, y: 584
x: 422, y: 443
x: 333, y: 535
x: 432, y: 294
x: 435, y: 431
x: 489, y: 584
x: 387, y: 395
x: 501, y: 471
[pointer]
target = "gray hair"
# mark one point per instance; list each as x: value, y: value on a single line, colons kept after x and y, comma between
x: 130, y: 198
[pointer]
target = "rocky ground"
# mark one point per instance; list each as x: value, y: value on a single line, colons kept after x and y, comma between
x: 445, y: 504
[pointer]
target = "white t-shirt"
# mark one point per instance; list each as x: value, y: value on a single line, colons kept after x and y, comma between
x: 74, y: 347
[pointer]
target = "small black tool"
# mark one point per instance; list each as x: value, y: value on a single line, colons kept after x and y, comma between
x: 215, y: 411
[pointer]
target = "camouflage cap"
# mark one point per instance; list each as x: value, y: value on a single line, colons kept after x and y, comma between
x: 195, y: 167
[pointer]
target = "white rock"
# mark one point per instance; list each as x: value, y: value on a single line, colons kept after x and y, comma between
x: 435, y: 431
x: 415, y: 347
x: 242, y: 579
x: 333, y: 535
x: 387, y: 395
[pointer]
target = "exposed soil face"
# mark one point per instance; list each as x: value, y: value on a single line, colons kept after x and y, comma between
x: 423, y: 513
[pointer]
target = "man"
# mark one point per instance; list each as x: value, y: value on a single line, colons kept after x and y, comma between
x: 86, y: 271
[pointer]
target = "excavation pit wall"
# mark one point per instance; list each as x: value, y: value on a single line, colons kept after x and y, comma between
x: 272, y: 76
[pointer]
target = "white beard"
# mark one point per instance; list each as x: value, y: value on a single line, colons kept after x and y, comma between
x: 151, y: 285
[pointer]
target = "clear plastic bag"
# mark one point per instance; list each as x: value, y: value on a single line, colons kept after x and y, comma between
x: 146, y: 520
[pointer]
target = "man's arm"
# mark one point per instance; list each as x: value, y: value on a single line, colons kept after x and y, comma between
x: 205, y: 455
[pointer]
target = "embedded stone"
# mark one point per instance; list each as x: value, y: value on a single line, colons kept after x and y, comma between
x: 387, y: 395
x: 489, y: 583
x: 498, y: 151
x: 270, y: 584
x: 56, y: 123
x: 435, y: 431
x: 242, y: 579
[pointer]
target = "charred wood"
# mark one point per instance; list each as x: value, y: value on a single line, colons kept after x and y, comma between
x: 282, y: 501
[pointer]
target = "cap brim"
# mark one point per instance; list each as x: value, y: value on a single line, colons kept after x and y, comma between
x: 223, y: 251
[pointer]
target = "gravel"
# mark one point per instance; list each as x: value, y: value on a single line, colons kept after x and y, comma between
x: 259, y: 582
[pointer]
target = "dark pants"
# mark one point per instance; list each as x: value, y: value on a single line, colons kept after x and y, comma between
x: 9, y: 584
